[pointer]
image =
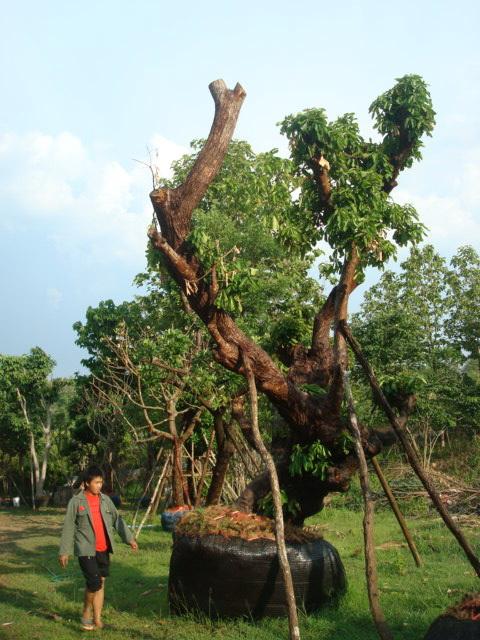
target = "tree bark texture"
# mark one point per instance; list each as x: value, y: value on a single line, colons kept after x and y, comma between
x: 225, y: 451
x: 173, y: 208
x: 179, y: 487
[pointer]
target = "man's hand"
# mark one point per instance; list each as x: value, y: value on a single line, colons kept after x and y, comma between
x: 134, y: 545
x: 63, y: 560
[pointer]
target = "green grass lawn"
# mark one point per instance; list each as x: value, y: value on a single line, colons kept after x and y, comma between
x: 43, y: 602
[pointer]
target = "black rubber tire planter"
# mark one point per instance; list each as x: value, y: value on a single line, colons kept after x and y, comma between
x: 233, y: 577
x: 449, y: 628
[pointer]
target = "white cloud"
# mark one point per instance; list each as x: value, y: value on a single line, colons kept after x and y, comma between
x: 54, y: 296
x: 88, y: 205
x: 163, y: 152
x: 454, y: 219
x: 113, y: 191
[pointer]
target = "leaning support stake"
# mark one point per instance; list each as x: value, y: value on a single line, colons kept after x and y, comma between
x: 158, y: 489
x: 277, y: 503
x: 408, y: 448
x: 370, y: 559
x: 396, y: 510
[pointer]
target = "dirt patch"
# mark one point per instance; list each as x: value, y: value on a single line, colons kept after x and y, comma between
x: 228, y: 522
x: 15, y: 525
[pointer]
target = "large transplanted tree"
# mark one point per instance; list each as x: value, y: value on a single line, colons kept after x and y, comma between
x: 345, y: 184
x: 269, y: 279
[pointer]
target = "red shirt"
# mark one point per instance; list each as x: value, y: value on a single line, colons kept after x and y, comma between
x: 97, y: 520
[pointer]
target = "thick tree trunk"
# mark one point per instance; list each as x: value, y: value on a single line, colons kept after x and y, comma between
x: 108, y: 471
x: 225, y: 451
x: 47, y: 442
x: 178, y: 479
x: 35, y: 463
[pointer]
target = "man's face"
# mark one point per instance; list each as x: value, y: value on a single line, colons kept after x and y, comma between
x: 95, y: 485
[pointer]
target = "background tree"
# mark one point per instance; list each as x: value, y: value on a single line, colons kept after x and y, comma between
x: 33, y: 412
x: 463, y: 326
x: 405, y: 326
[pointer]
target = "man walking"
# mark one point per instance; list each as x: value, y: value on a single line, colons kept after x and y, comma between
x: 88, y: 533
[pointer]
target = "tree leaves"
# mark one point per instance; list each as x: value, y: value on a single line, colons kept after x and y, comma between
x: 359, y: 209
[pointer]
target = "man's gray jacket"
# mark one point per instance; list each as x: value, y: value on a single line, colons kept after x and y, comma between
x: 78, y: 535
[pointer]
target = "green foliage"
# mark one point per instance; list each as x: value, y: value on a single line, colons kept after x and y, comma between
x: 403, y: 115
x: 413, y: 327
x: 27, y: 379
x: 289, y: 331
x: 463, y: 324
x: 314, y: 459
x: 290, y: 506
x: 313, y: 389
x: 246, y: 229
x: 359, y: 209
x: 402, y: 384
x: 28, y: 375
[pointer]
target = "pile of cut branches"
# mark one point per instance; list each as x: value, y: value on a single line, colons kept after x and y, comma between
x: 457, y: 495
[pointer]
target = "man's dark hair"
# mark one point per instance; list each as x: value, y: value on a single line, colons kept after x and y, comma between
x: 92, y: 472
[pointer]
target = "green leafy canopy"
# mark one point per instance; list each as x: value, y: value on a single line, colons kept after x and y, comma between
x: 362, y: 173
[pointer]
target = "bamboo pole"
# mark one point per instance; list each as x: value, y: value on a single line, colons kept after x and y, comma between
x: 408, y: 448
x: 396, y: 510
x: 294, y: 629
x: 243, y: 448
x: 157, y: 458
x: 158, y: 487
x: 370, y: 559
x: 243, y: 459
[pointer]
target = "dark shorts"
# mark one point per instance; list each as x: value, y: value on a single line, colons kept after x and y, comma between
x: 94, y: 568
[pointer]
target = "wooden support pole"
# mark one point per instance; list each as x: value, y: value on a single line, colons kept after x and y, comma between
x: 396, y: 510
x: 370, y: 559
x: 408, y: 448
x: 145, y: 490
x: 158, y: 488
x: 277, y: 503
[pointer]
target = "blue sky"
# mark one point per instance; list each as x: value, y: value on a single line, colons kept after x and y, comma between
x: 87, y: 87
